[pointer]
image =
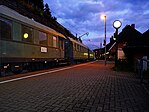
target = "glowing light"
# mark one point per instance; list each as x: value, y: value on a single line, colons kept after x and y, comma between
x: 103, y: 17
x: 117, y: 24
x: 25, y: 35
x: 91, y: 55
x: 114, y: 38
x: 85, y: 54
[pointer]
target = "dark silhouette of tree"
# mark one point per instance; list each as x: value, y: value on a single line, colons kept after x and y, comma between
x: 47, y: 11
x: 40, y: 4
x: 37, y: 3
x: 54, y: 18
x: 36, y: 10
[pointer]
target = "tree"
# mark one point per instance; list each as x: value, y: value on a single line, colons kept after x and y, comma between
x: 47, y: 11
x: 54, y: 18
x: 38, y: 3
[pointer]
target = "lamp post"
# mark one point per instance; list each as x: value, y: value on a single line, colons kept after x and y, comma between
x: 103, y: 17
x: 116, y: 24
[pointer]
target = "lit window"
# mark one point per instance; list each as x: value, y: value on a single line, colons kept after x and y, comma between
x: 85, y: 54
x: 54, y: 41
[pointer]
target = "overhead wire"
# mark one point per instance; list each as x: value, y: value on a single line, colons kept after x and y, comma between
x: 74, y: 27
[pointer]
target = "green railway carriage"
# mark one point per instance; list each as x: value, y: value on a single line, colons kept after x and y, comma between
x: 24, y: 41
x: 26, y: 45
x: 91, y: 55
x: 79, y: 50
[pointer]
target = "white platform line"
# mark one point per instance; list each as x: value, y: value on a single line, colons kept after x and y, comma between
x: 35, y: 75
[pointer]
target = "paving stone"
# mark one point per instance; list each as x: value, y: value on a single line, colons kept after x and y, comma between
x: 92, y: 87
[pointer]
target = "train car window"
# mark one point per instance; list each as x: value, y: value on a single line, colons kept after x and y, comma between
x: 27, y: 34
x: 78, y: 47
x: 61, y: 43
x: 43, y: 39
x: 5, y: 29
x: 74, y: 46
x: 54, y: 41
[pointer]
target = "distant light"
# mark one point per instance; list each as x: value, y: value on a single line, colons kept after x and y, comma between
x: 107, y: 52
x: 85, y: 54
x: 91, y: 55
x: 25, y: 35
x: 16, y: 66
x: 5, y: 66
x: 117, y: 24
x: 103, y: 17
x: 114, y: 38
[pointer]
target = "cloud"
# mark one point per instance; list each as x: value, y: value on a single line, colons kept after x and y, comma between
x: 81, y: 16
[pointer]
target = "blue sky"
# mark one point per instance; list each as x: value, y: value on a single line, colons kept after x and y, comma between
x: 81, y: 16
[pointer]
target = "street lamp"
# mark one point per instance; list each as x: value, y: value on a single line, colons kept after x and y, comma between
x: 116, y: 24
x: 103, y: 17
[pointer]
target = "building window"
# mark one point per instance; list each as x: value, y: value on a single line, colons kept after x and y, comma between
x: 43, y: 38
x: 54, y: 41
x: 27, y: 34
x: 5, y: 29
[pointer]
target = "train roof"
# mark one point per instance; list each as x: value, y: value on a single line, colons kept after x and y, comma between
x: 15, y: 15
x: 77, y: 42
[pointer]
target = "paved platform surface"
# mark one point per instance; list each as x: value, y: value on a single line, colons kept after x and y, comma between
x: 92, y: 87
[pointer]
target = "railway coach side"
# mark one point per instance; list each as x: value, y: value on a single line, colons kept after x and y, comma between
x: 27, y: 44
x: 76, y: 51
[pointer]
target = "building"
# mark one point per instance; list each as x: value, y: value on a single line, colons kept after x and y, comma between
x: 132, y: 45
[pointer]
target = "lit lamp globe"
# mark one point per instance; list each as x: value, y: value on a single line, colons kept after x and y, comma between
x: 117, y: 24
x: 103, y: 17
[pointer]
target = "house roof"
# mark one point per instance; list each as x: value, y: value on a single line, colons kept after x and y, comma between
x: 112, y: 47
x: 141, y: 48
x: 145, y: 38
x: 129, y: 35
x: 146, y: 33
x: 132, y: 39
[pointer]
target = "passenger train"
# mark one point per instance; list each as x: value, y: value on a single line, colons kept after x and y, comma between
x: 28, y: 45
